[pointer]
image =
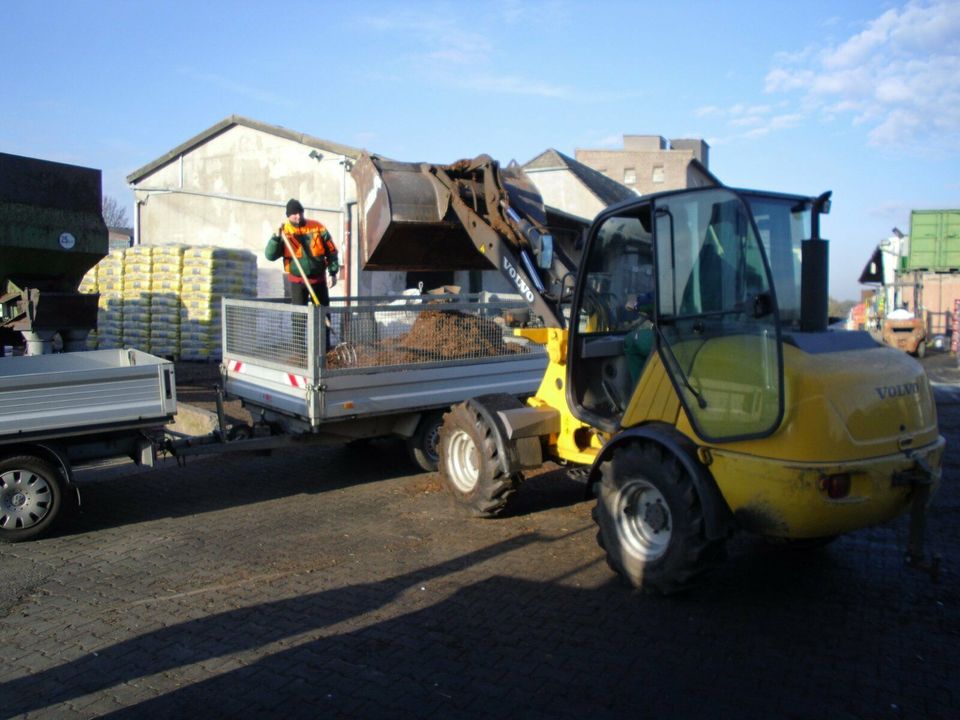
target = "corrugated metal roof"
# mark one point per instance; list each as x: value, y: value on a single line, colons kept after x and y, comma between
x: 233, y: 121
x: 607, y: 191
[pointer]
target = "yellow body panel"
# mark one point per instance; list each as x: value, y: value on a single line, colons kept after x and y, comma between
x: 654, y: 398
x: 846, y: 406
x: 855, y: 412
x: 786, y: 499
x: 577, y: 442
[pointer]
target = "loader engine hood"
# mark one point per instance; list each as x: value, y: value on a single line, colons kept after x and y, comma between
x: 849, y: 404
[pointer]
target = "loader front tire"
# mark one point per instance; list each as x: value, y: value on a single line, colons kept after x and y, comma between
x: 31, y: 497
x: 470, y: 464
x: 650, y: 521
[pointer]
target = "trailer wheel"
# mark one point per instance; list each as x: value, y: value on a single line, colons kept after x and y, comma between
x: 422, y: 445
x: 31, y: 497
x: 470, y: 465
x: 650, y: 521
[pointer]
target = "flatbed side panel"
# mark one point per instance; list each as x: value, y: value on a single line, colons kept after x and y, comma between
x: 391, y: 391
x: 83, y: 390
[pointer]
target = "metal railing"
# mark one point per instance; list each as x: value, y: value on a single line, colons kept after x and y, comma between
x: 372, y: 332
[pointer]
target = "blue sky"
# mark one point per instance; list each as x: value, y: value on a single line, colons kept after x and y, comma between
x: 859, y: 97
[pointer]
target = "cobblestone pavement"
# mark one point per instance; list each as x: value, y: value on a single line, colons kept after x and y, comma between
x: 337, y: 583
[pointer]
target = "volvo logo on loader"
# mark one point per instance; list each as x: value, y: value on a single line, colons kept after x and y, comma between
x: 892, y: 391
x: 518, y: 280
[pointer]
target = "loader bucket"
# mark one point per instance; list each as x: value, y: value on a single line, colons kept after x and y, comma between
x: 406, y: 222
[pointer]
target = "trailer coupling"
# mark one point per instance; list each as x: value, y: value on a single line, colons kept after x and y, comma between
x: 922, y: 478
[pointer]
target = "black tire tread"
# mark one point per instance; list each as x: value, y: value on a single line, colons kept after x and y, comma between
x: 495, y: 487
x: 682, y: 567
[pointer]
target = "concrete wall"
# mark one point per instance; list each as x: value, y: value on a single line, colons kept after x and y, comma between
x: 559, y: 188
x: 231, y: 190
x: 648, y: 163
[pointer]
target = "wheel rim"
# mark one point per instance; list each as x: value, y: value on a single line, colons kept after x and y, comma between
x: 463, y: 468
x: 25, y: 499
x: 431, y: 442
x: 643, y: 519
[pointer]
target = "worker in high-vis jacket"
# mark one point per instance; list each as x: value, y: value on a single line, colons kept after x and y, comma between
x: 309, y: 257
x: 308, y: 253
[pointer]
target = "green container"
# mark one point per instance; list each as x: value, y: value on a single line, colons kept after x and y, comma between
x: 51, y: 227
x: 934, y: 240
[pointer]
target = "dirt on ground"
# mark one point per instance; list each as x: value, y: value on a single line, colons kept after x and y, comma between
x: 434, y: 335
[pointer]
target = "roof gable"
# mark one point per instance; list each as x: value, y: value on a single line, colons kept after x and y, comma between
x: 233, y: 121
x: 606, y: 190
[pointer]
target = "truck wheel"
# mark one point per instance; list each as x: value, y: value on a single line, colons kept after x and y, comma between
x: 470, y: 465
x: 422, y: 445
x: 650, y: 521
x: 31, y: 497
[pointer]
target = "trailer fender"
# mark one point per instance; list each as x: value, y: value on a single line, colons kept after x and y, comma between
x: 717, y: 516
x: 517, y: 454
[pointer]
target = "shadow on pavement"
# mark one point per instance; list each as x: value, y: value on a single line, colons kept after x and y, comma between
x: 787, y: 644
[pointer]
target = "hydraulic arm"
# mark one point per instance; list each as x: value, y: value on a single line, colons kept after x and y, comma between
x: 470, y: 215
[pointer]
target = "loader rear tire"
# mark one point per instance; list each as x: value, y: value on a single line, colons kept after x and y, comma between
x: 31, y: 497
x: 651, y: 521
x: 470, y: 463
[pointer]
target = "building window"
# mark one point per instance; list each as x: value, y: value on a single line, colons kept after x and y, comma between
x: 629, y: 176
x: 657, y: 174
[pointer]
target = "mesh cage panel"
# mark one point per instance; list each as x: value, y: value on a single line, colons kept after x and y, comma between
x: 370, y: 335
x: 274, y: 332
x: 419, y: 333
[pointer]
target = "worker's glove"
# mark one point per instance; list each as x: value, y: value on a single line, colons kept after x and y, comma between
x: 332, y: 281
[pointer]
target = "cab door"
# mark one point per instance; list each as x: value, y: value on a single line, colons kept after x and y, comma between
x: 681, y: 276
x: 717, y: 318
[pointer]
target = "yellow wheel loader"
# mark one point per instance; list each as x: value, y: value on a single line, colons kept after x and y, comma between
x: 691, y: 372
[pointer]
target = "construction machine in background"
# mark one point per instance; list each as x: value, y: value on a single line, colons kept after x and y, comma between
x: 51, y: 233
x: 691, y: 372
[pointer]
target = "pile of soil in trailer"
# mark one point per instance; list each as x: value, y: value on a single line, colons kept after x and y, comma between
x: 433, y: 337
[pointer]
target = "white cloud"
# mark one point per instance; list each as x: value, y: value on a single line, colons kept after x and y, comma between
x: 899, y: 77
x: 447, y: 50
x: 750, y: 121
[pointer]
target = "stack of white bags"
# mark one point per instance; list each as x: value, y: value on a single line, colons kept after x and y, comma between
x: 166, y: 299
x: 208, y: 275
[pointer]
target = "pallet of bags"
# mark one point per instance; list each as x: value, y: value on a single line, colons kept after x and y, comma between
x: 110, y: 305
x: 210, y: 274
x: 88, y: 285
x: 166, y: 269
x: 137, y: 284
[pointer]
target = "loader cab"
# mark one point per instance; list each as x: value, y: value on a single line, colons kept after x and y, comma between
x: 676, y: 293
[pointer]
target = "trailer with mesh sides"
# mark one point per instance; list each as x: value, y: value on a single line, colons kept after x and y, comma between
x: 371, y: 366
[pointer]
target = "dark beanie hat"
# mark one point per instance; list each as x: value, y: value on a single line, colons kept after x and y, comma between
x: 294, y: 206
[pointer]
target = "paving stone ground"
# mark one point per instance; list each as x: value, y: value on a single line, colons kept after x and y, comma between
x: 340, y: 583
